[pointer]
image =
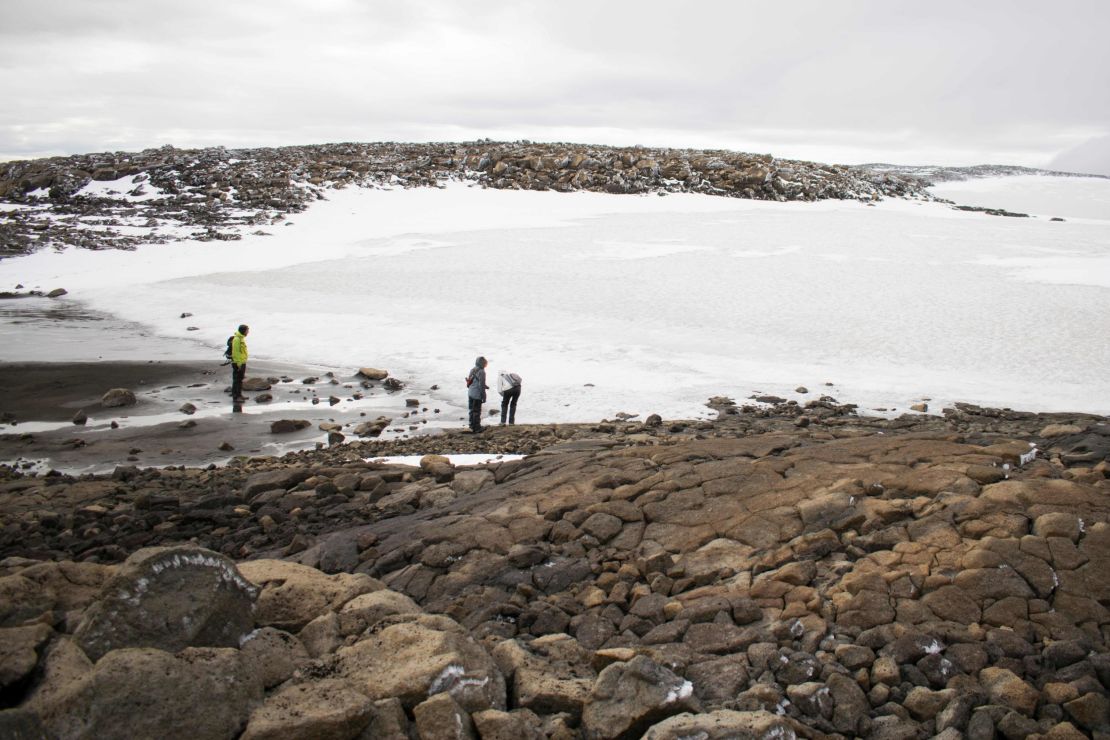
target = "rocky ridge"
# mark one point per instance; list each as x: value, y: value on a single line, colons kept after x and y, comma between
x: 167, y: 194
x: 783, y: 571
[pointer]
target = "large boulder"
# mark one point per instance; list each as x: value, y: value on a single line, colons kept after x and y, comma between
x: 118, y: 397
x: 322, y: 710
x: 373, y: 373
x: 293, y: 595
x: 19, y: 652
x: 630, y: 697
x: 722, y: 725
x: 422, y: 655
x: 144, y: 692
x: 170, y: 598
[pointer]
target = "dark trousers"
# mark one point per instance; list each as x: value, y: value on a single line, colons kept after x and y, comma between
x: 238, y: 372
x: 475, y: 413
x: 508, y: 404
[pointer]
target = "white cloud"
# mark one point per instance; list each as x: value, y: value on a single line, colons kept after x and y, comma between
x: 867, y: 80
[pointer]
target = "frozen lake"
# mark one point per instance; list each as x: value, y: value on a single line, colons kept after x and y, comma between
x: 651, y: 304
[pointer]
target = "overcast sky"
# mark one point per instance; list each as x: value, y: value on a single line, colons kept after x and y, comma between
x: 1001, y: 81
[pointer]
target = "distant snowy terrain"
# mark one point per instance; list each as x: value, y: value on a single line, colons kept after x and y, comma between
x: 643, y: 304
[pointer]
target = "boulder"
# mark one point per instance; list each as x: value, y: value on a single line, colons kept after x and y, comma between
x: 57, y: 293
x: 23, y: 600
x: 256, y: 384
x: 145, y: 692
x: 281, y: 478
x: 1006, y: 688
x: 372, y: 428
x: 723, y: 724
x: 286, y: 426
x: 292, y: 595
x: 366, y: 610
x: 80, y: 418
x: 170, y: 598
x: 627, y: 698
x: 440, y: 716
x: 272, y: 655
x: 118, y: 397
x: 373, y: 373
x: 420, y: 656
x: 318, y: 710
x: 19, y: 652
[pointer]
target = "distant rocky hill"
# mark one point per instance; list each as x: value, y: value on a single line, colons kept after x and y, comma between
x: 933, y: 174
x: 122, y: 199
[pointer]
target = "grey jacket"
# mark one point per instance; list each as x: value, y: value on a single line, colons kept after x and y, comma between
x: 477, y: 388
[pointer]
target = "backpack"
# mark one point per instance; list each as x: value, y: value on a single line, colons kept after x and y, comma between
x: 507, y: 381
x: 227, y: 352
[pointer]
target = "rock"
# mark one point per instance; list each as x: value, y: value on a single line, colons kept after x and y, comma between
x: 422, y: 656
x: 283, y: 478
x: 57, y: 293
x: 118, y: 397
x: 801, y: 389
x: 272, y: 655
x: 1060, y: 430
x: 373, y: 373
x: 920, y: 407
x: 80, y: 418
x: 19, y: 652
x: 366, y: 610
x: 544, y: 683
x: 630, y: 697
x: 256, y: 384
x: 21, y: 724
x: 392, y: 384
x: 1090, y: 711
x: 293, y: 595
x: 721, y: 725
x: 169, y: 598
x: 1006, y: 688
x: 188, y: 408
x: 286, y: 426
x: 264, y: 398
x: 144, y: 692
x: 321, y: 636
x: 440, y: 716
x: 493, y: 724
x: 372, y: 428
x: 850, y: 704
x: 225, y: 447
x: 328, y: 708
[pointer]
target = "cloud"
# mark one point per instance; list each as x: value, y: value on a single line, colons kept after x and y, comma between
x: 1092, y: 157
x: 995, y: 80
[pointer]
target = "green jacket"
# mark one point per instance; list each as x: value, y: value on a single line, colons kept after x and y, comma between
x: 239, y: 349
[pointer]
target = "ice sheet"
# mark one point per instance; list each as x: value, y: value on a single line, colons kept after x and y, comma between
x: 609, y: 304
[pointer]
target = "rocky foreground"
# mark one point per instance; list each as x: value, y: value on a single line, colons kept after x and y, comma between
x: 169, y: 194
x: 780, y: 572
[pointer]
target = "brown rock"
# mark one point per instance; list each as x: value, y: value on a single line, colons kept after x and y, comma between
x: 327, y: 708
x: 1006, y: 688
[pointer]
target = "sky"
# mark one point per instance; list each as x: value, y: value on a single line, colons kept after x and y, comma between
x: 1020, y: 82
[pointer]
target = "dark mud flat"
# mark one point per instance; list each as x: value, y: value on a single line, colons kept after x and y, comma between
x: 55, y: 391
x: 40, y: 400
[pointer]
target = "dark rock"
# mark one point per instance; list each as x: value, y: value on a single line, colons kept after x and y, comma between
x: 170, y: 598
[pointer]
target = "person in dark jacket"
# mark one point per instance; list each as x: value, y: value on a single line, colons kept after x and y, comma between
x: 508, y: 385
x: 238, y: 362
x: 476, y: 393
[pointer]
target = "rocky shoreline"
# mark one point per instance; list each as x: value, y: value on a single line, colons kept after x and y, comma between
x: 170, y: 194
x: 786, y: 570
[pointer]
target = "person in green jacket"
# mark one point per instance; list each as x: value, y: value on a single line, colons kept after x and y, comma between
x: 239, y: 362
